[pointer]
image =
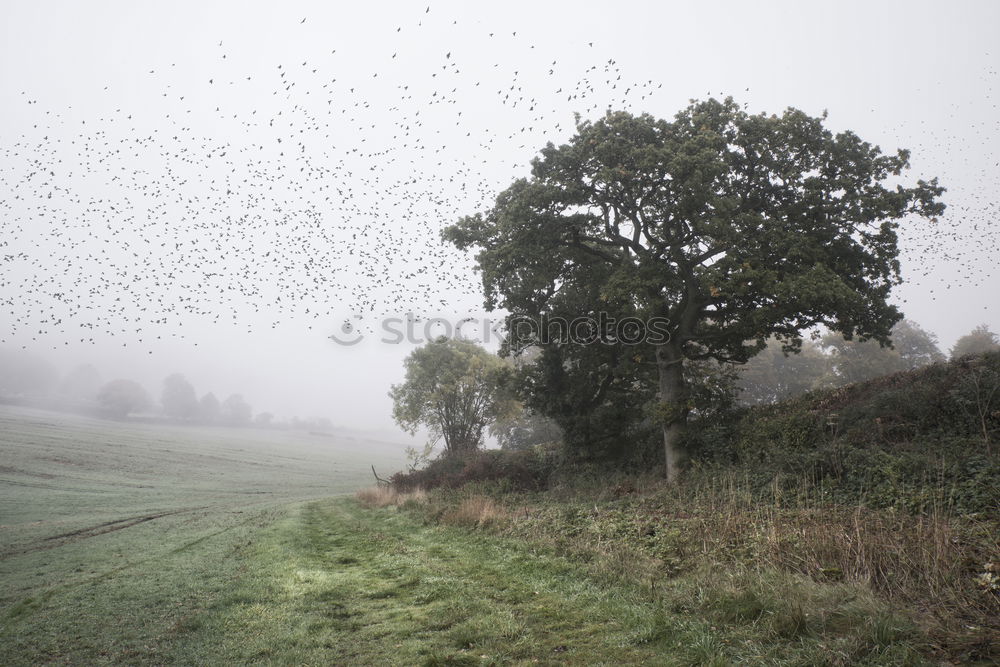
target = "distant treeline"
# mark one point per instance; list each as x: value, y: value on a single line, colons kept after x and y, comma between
x: 826, y: 362
x: 26, y: 379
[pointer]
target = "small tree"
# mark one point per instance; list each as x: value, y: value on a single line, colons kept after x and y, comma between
x: 978, y: 341
x: 977, y: 393
x: 119, y: 398
x: 455, y: 389
x: 209, y: 408
x: 853, y: 360
x: 917, y: 347
x: 235, y: 411
x: 178, y: 398
x: 774, y: 375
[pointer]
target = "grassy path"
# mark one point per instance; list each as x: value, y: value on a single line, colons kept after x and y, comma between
x: 338, y: 584
x: 332, y: 583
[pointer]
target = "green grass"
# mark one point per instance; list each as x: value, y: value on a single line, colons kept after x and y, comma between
x: 333, y: 583
x: 113, y: 536
x: 126, y: 544
x: 338, y: 584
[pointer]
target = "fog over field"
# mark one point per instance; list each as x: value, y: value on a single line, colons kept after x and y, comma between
x: 214, y: 189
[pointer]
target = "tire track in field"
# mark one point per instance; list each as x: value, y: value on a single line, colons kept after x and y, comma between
x: 118, y: 524
x: 54, y: 541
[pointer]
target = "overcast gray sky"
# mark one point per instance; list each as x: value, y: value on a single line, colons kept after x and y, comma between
x: 214, y: 188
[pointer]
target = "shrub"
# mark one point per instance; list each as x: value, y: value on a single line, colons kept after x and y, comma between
x: 383, y: 496
x: 913, y: 440
x: 520, y: 470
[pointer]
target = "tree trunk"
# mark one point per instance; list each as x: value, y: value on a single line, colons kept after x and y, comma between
x: 673, y: 397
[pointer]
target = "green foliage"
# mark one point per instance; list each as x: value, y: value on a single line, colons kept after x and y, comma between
x: 666, y: 412
x: 728, y: 227
x: 916, y: 346
x: 417, y: 458
x: 842, y: 522
x: 711, y: 387
x: 526, y: 429
x: 978, y: 341
x: 851, y: 361
x: 913, y: 440
x: 774, y: 374
x: 977, y: 394
x: 592, y: 394
x: 454, y: 388
x: 516, y: 470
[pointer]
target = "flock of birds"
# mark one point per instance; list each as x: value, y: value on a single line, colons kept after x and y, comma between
x: 312, y: 191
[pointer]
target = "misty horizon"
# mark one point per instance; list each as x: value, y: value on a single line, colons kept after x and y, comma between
x: 216, y: 190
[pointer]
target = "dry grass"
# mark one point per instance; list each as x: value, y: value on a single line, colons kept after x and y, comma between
x: 796, y: 569
x: 932, y: 559
x: 384, y: 496
x: 938, y: 565
x: 916, y: 559
x: 478, y: 511
x: 940, y: 570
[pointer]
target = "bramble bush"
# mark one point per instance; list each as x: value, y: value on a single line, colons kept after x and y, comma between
x: 523, y: 470
x: 909, y: 440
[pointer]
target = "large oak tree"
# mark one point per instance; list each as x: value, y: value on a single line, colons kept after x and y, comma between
x: 732, y: 227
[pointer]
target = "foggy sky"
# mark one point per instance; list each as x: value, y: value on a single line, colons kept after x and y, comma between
x: 77, y: 78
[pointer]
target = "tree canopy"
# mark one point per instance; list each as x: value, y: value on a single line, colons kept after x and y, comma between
x: 178, y: 398
x: 235, y: 411
x: 455, y: 389
x: 727, y: 227
x: 209, y: 408
x: 978, y: 341
x: 774, y: 375
x: 118, y: 398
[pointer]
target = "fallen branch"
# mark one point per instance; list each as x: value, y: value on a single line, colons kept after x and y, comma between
x: 378, y: 480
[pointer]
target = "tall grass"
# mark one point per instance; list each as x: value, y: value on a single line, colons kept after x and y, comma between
x: 476, y: 510
x: 384, y: 496
x: 936, y: 556
x: 717, y: 530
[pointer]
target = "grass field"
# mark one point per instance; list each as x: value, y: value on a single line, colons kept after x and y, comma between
x: 132, y: 544
x: 112, y: 534
x: 140, y: 545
